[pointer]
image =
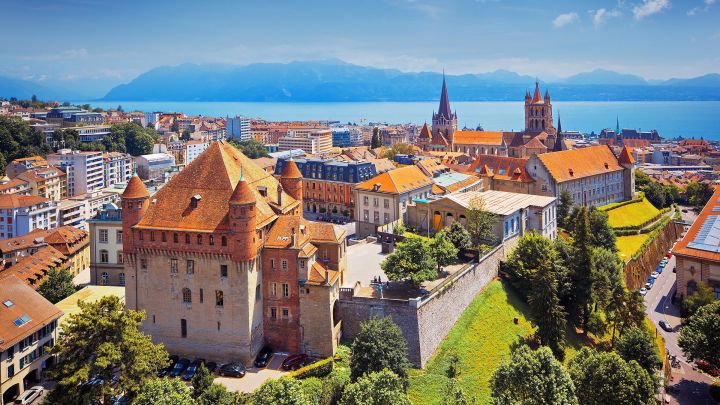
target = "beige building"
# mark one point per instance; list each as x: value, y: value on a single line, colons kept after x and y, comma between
x: 314, y: 143
x: 106, y: 257
x: 385, y: 198
x: 29, y: 330
x: 48, y: 182
x: 698, y: 252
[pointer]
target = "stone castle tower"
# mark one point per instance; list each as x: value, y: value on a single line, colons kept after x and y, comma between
x: 538, y: 112
x: 444, y: 122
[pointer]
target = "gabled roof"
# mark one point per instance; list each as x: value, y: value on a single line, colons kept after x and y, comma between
x: 626, y: 157
x: 16, y: 182
x: 398, y: 181
x: 425, y: 132
x: 67, y: 239
x: 501, y: 167
x: 281, y: 233
x: 322, y: 232
x: 439, y: 139
x: 18, y: 301
x: 33, y: 269
x: 478, y: 137
x: 212, y: 178
x: 49, y: 172
x: 318, y: 273
x: 535, y: 143
x: 17, y: 201
x: 578, y: 163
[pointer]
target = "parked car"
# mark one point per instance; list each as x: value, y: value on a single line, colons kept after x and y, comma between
x: 668, y: 255
x: 294, y: 362
x: 173, y: 359
x: 674, y: 269
x: 179, y: 367
x: 191, y: 370
x: 659, y: 270
x: 233, y: 369
x: 30, y: 395
x: 648, y: 286
x: 665, y: 326
x: 211, y: 366
x: 263, y: 358
x: 643, y: 291
x: 655, y: 274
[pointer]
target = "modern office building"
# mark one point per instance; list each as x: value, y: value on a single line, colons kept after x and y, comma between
x: 154, y: 165
x: 20, y: 215
x: 85, y: 170
x: 314, y: 143
x: 238, y: 128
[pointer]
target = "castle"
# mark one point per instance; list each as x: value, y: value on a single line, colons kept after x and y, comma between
x: 223, y: 263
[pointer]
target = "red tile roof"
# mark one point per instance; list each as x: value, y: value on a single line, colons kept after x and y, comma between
x: 24, y: 302
x: 578, y: 163
x: 17, y: 201
x: 478, y: 137
x: 291, y: 171
x: 135, y: 189
x: 682, y: 248
x: 398, y: 181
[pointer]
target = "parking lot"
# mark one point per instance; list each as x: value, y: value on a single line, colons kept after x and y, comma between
x: 254, y: 377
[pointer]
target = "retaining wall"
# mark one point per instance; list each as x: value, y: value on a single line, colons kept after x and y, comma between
x: 638, y: 270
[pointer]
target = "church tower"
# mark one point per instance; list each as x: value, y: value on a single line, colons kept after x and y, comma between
x: 444, y: 122
x: 538, y: 112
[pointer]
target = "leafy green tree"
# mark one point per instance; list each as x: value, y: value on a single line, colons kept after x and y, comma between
x: 186, y: 135
x: 411, y: 260
x: 617, y: 304
x: 164, y: 391
x: 641, y: 179
x: 698, y: 194
x: 399, y: 229
x: 602, y: 378
x: 704, y: 295
x: 639, y: 345
x: 316, y: 391
x: 217, y: 394
x: 480, y: 223
x: 564, y: 206
x: 655, y: 193
x: 138, y: 140
x: 251, y: 148
x: 601, y: 231
x: 379, y: 345
x: 399, y: 149
x: 101, y: 341
x: 531, y: 251
x: 582, y: 268
x: 672, y: 194
x: 458, y: 235
x: 453, y: 369
x: 700, y: 335
x: 443, y: 250
x: 375, y: 142
x: 283, y: 391
x: 607, y: 266
x: 532, y: 378
x: 453, y: 394
x: 57, y: 286
x: 377, y: 388
x: 201, y: 381
x: 547, y: 313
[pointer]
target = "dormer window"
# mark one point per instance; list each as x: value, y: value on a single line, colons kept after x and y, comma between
x: 195, y: 200
x: 262, y: 190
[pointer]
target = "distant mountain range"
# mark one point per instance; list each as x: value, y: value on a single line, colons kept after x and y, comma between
x: 24, y: 89
x: 337, y: 81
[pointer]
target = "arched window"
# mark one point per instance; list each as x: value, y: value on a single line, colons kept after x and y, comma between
x: 105, y: 278
x: 463, y: 220
x: 104, y: 257
x: 187, y: 295
x: 121, y: 277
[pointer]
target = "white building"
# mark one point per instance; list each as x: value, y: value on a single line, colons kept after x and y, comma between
x: 85, y: 170
x: 237, y: 127
x: 314, y: 143
x: 77, y: 210
x: 106, y: 260
x: 193, y: 149
x: 117, y: 168
x: 153, y: 166
x: 152, y: 118
x: 22, y: 214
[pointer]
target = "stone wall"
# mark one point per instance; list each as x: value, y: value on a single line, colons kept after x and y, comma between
x: 638, y: 270
x: 425, y: 321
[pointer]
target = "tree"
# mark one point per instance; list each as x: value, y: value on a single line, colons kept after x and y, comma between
x: 698, y: 194
x: 99, y: 342
x: 582, y: 268
x: 639, y: 345
x: 137, y: 140
x: 443, y: 250
x: 700, y: 335
x: 57, y: 286
x: 607, y: 266
x: 217, y: 394
x: 458, y: 235
x: 532, y: 378
x: 564, y: 206
x: 251, y: 148
x: 201, y: 381
x: 601, y: 231
x: 547, y: 313
x: 453, y: 394
x: 672, y: 194
x: 641, y: 179
x: 379, y: 345
x: 378, y: 388
x: 411, y: 260
x: 375, y: 142
x: 399, y: 149
x: 602, y: 378
x: 175, y: 126
x: 283, y: 391
x: 531, y: 251
x: 164, y: 391
x: 186, y: 135
x: 704, y: 295
x: 655, y: 193
x: 480, y: 223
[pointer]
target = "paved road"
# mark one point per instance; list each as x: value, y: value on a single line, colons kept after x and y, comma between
x: 688, y: 385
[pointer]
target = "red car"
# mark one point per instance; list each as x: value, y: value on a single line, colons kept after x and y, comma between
x: 294, y: 362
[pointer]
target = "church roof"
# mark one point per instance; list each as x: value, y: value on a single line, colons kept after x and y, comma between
x: 535, y: 143
x: 537, y: 98
x: 211, y: 179
x: 425, y: 132
x: 439, y: 139
x: 444, y: 109
x: 478, y: 137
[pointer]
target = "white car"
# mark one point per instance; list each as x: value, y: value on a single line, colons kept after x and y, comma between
x: 29, y: 395
x: 655, y: 274
x: 643, y: 291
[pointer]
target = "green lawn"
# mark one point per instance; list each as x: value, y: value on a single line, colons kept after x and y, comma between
x: 481, y: 338
x: 634, y: 214
x: 628, y: 245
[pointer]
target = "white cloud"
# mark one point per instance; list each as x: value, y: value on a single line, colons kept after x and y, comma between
x: 565, y: 19
x: 600, y: 16
x: 650, y: 7
x: 693, y: 11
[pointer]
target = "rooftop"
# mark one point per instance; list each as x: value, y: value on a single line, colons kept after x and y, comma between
x: 400, y: 181
x: 499, y: 202
x: 92, y: 293
x: 702, y: 240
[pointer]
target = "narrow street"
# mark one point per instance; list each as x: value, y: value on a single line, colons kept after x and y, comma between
x: 687, y: 386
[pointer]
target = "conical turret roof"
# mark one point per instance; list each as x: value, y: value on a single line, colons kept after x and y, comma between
x: 135, y: 189
x: 291, y: 171
x: 242, y: 194
x: 537, y: 98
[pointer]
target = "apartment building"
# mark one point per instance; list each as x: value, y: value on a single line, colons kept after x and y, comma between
x: 14, y: 186
x: 238, y: 128
x: 85, y: 170
x: 312, y: 142
x: 20, y: 215
x: 192, y: 149
x: 117, y: 168
x: 48, y: 182
x: 106, y: 257
x: 154, y: 165
x: 18, y: 166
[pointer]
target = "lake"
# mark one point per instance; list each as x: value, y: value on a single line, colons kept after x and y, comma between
x: 669, y: 118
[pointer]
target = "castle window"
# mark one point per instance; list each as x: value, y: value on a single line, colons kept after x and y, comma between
x: 173, y: 266
x: 175, y: 238
x: 183, y: 328
x: 284, y: 264
x: 187, y: 295
x: 143, y: 264
x: 273, y: 289
x: 273, y: 313
x: 199, y: 239
x: 258, y: 295
x: 152, y: 236
x: 272, y: 263
x: 285, y: 313
x: 286, y: 290
x: 190, y: 267
x: 187, y: 238
x: 140, y: 235
x: 164, y: 237
x: 202, y: 298
x: 104, y: 256
x: 223, y: 270
x: 211, y: 240
x: 223, y: 241
x: 219, y: 298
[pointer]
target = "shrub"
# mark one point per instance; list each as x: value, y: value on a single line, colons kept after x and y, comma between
x: 318, y: 369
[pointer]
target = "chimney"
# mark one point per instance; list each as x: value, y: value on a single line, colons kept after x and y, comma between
x: 327, y: 276
x: 292, y: 237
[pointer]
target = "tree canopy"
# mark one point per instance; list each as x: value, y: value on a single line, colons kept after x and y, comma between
x: 282, y: 391
x: 132, y: 138
x: 704, y: 295
x: 443, y: 250
x: 638, y: 344
x: 564, y: 207
x: 481, y: 223
x: 164, y: 391
x: 19, y: 140
x: 379, y: 345
x: 251, y: 148
x: 700, y: 335
x: 458, y: 235
x: 411, y: 261
x: 57, y: 286
x: 378, y: 388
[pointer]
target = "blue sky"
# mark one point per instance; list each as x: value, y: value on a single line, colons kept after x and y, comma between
x: 93, y: 43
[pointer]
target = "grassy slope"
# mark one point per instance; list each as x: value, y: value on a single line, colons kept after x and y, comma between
x: 481, y: 338
x: 628, y: 245
x: 632, y: 214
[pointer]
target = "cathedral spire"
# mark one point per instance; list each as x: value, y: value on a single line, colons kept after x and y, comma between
x: 444, y: 109
x: 558, y: 138
x: 617, y: 125
x: 537, y: 98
